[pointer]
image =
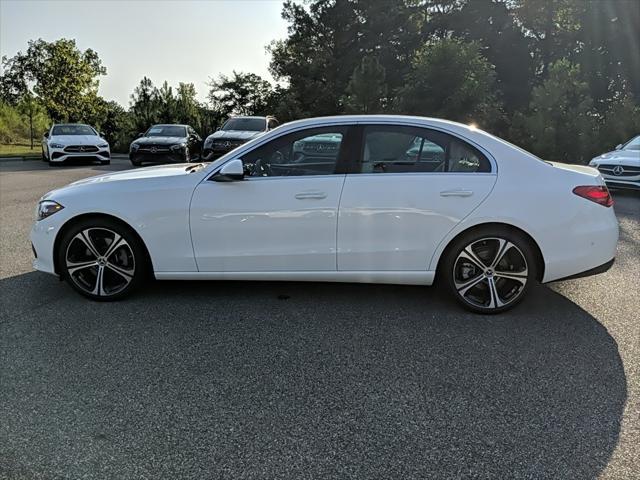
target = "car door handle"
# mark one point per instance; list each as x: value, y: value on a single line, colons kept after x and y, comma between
x: 305, y: 195
x: 456, y: 193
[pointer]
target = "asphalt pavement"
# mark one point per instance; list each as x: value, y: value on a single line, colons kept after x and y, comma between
x: 283, y: 380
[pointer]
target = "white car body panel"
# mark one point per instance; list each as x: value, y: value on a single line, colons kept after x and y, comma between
x: 266, y: 224
x: 383, y: 228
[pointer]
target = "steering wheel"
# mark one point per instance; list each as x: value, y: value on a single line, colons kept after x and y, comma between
x: 261, y: 169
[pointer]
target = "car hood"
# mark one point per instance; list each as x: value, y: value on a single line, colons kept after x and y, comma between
x: 234, y: 134
x: 77, y: 139
x: 619, y: 157
x: 160, y: 140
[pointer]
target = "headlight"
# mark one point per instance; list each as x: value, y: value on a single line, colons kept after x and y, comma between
x: 208, y: 142
x: 56, y: 145
x: 175, y: 148
x: 104, y: 145
x: 134, y: 147
x: 46, y: 208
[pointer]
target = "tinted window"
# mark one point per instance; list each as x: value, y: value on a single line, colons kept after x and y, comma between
x: 73, y: 130
x: 309, y: 152
x: 396, y: 149
x: 633, y: 144
x: 166, y: 131
x: 245, y: 124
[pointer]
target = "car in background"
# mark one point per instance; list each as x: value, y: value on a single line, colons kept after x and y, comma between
x: 235, y: 132
x: 164, y: 143
x: 74, y: 141
x: 621, y: 168
x: 347, y: 199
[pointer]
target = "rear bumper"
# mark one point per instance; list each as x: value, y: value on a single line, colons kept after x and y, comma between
x: 588, y: 273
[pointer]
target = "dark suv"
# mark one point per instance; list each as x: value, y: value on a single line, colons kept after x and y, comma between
x: 235, y: 132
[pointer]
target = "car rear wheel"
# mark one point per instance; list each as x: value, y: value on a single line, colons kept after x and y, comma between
x: 101, y: 259
x: 490, y: 271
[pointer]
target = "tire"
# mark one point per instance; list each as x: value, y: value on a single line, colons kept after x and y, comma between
x: 89, y: 262
x: 136, y: 163
x: 489, y: 270
x: 44, y: 157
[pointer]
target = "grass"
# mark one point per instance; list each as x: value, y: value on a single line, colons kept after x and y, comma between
x: 20, y: 150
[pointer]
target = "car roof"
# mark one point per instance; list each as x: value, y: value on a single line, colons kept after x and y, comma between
x: 170, y: 125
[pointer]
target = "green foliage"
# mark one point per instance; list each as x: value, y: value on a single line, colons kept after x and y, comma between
x: 367, y: 89
x: 240, y: 94
x: 560, y: 123
x: 15, y: 124
x: 451, y: 79
x: 64, y: 78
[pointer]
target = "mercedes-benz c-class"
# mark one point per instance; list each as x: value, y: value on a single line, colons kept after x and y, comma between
x: 377, y: 199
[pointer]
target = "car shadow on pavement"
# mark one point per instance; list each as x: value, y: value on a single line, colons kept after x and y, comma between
x: 263, y: 380
x: 10, y: 165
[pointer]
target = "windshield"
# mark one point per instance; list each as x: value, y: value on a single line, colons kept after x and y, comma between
x: 166, y: 131
x: 633, y: 144
x: 246, y: 124
x: 73, y: 130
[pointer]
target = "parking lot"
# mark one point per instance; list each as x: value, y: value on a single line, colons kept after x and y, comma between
x: 283, y: 380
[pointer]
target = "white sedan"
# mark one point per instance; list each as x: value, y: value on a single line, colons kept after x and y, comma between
x: 379, y: 199
x: 621, y: 168
x: 74, y: 141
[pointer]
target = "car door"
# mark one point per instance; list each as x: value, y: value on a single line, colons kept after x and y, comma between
x: 411, y: 186
x: 282, y: 216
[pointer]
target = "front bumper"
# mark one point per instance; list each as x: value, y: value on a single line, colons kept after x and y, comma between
x: 158, y: 157
x: 43, y: 237
x: 58, y: 155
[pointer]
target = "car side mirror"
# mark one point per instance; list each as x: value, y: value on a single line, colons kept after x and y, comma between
x: 619, y: 146
x: 230, y: 172
x: 46, y: 134
x: 140, y: 135
x: 101, y: 134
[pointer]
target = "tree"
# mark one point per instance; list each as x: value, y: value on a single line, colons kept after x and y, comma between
x: 143, y: 105
x: 560, y: 123
x: 367, y: 89
x: 187, y: 107
x: 240, y: 94
x: 328, y: 40
x: 451, y: 79
x: 64, y: 78
x: 165, y: 104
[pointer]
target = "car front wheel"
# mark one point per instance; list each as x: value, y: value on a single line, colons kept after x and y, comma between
x: 101, y: 259
x: 490, y: 271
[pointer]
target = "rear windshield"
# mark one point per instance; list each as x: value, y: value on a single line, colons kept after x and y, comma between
x: 73, y: 130
x: 166, y: 131
x: 246, y: 124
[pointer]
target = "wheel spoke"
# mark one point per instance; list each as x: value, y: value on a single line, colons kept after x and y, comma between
x: 99, y: 287
x: 468, y: 254
x: 126, y: 274
x: 87, y: 243
x: 117, y: 241
x: 465, y: 287
x: 503, y: 247
x: 518, y: 277
x: 494, y: 301
x: 74, y: 267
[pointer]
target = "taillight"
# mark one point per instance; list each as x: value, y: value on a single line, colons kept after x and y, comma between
x: 599, y: 194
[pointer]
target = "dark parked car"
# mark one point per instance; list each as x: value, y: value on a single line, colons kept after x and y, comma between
x: 235, y: 132
x: 166, y: 144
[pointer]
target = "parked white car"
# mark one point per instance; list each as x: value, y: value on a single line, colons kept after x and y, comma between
x: 76, y: 141
x: 621, y: 168
x: 380, y: 199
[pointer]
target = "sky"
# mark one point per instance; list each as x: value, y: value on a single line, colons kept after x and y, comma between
x: 178, y: 41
